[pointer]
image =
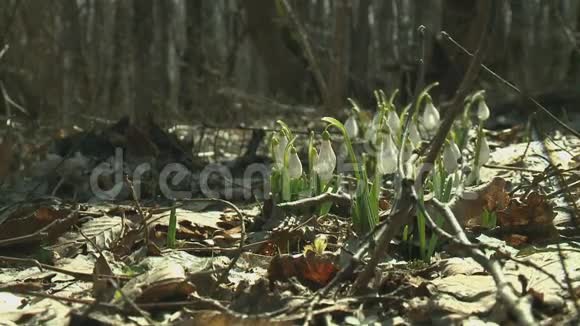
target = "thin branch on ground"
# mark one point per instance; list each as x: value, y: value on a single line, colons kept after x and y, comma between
x: 222, y: 278
x: 340, y: 199
x: 86, y: 277
x: 568, y: 280
x: 41, y: 234
x: 521, y: 309
x: 482, y: 246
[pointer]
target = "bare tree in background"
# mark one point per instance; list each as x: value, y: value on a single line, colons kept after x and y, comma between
x: 172, y: 58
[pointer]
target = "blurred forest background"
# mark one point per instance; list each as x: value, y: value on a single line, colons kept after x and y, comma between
x: 206, y: 60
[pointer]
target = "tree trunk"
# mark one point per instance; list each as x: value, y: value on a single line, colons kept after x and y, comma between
x: 339, y: 64
x: 285, y: 69
x: 144, y: 81
x: 70, y: 45
x: 193, y: 56
x: 359, y: 58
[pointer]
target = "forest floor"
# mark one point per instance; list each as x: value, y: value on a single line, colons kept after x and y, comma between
x: 92, y: 234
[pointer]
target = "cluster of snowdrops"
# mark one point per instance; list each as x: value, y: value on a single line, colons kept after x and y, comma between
x: 466, y: 146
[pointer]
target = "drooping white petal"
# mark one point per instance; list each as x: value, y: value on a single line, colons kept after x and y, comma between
x: 483, y: 151
x: 351, y: 127
x: 394, y: 122
x: 376, y: 118
x: 314, y: 158
x: 294, y: 165
x: 414, y: 135
x: 388, y: 156
x: 280, y: 150
x: 326, y: 163
x: 451, y: 155
x: 430, y: 116
x: 371, y: 134
x: 482, y: 111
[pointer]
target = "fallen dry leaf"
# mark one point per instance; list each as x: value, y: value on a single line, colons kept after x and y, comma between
x: 219, y: 318
x: 164, y: 282
x: 491, y: 197
x: 527, y: 219
x: 311, y: 269
x: 533, y: 209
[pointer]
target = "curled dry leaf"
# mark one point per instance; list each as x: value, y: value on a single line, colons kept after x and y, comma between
x: 517, y: 218
x: 310, y: 269
x: 164, y: 282
x: 532, y: 209
x: 469, y: 207
x: 102, y: 288
x: 527, y: 218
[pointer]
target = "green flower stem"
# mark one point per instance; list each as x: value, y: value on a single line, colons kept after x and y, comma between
x: 393, y: 97
x: 424, y: 94
x: 477, y: 150
x: 348, y: 143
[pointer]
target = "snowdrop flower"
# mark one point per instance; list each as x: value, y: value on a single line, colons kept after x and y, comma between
x: 388, y: 156
x: 394, y: 122
x: 294, y: 165
x: 274, y: 149
x: 371, y: 134
x: 280, y: 149
x: 314, y: 158
x: 451, y: 155
x: 351, y: 127
x: 430, y: 116
x: 326, y: 162
x: 376, y: 118
x: 483, y: 151
x: 482, y: 111
x: 414, y: 135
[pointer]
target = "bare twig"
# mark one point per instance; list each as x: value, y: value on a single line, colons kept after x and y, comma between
x: 222, y: 278
x: 514, y: 88
x: 111, y: 281
x: 40, y: 234
x: 340, y: 199
x: 520, y: 308
x: 501, y: 253
x: 86, y: 277
x: 568, y: 280
x: 404, y: 205
x: 144, y: 222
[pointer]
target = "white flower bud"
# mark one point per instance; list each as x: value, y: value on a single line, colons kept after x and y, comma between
x: 371, y: 134
x: 326, y: 162
x: 394, y: 122
x: 414, y: 135
x: 313, y: 157
x: 430, y: 116
x: 294, y: 165
x: 482, y: 111
x: 483, y: 151
x: 351, y: 127
x: 451, y: 155
x: 376, y: 118
x: 280, y: 150
x: 387, y: 160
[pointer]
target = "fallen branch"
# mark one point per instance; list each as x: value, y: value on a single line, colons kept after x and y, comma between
x: 521, y: 309
x: 86, y: 277
x: 340, y: 199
